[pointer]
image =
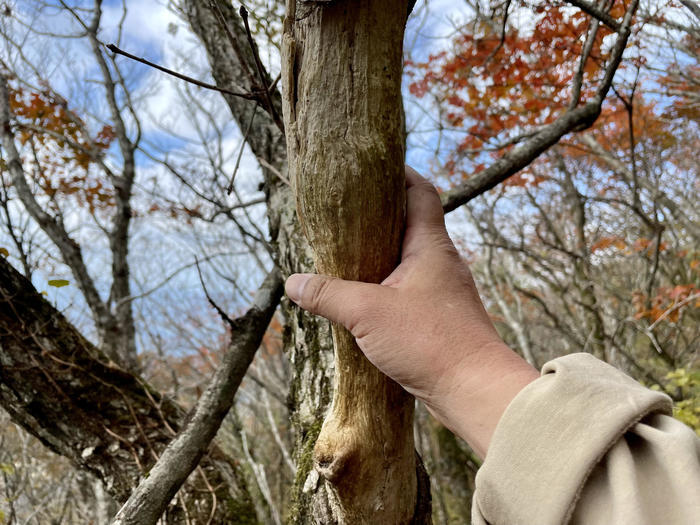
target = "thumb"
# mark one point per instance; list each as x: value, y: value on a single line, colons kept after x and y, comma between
x: 343, y: 302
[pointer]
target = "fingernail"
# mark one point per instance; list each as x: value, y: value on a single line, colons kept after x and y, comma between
x: 295, y: 285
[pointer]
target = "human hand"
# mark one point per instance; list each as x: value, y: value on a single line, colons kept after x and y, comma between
x: 425, y: 325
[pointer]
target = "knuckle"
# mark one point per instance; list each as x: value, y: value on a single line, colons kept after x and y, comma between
x: 318, y: 291
x: 426, y: 187
x: 359, y: 316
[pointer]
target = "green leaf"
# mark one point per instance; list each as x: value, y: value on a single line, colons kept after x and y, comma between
x: 58, y: 283
x: 7, y: 468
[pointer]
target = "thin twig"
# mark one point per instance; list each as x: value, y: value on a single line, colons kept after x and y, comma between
x: 503, y: 34
x: 247, y: 96
x: 233, y: 40
x: 216, y: 307
x: 274, y: 170
x: 672, y: 309
x: 240, y: 151
x: 261, y: 70
x: 150, y: 498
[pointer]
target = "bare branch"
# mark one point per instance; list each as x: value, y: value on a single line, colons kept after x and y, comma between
x: 224, y: 316
x: 70, y: 250
x: 229, y: 189
x: 206, y: 85
x: 261, y: 71
x: 148, y: 501
x: 503, y: 34
x: 578, y: 78
x: 656, y: 194
x: 597, y: 13
x: 519, y: 158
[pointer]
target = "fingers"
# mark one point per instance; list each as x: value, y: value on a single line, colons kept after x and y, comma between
x: 343, y: 302
x: 423, y: 202
x: 424, y: 216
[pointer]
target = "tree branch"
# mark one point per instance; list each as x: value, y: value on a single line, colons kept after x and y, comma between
x: 107, y: 421
x: 597, y: 13
x: 70, y: 250
x: 148, y: 501
x: 205, y: 85
x: 261, y: 71
x: 576, y: 119
x: 220, y: 30
x: 117, y: 330
x: 656, y: 194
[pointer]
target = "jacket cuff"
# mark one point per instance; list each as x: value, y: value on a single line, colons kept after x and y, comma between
x: 552, y: 435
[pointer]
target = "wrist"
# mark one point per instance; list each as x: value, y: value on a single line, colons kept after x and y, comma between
x: 471, y: 398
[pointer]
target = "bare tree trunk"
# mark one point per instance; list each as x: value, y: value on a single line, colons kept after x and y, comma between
x: 307, y: 337
x: 344, y: 120
x: 452, y: 468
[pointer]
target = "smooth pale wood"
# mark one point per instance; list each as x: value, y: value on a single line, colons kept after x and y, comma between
x: 343, y: 116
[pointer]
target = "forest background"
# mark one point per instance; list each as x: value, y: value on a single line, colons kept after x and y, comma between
x: 140, y: 203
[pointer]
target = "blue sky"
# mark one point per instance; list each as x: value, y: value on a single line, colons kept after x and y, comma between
x: 152, y: 30
x: 158, y: 247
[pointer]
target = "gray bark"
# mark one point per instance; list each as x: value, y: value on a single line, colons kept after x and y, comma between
x: 107, y: 421
x: 307, y: 338
x: 148, y: 501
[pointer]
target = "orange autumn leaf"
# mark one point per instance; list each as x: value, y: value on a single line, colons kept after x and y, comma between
x: 607, y: 242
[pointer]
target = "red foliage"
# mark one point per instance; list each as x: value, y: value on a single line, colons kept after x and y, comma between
x: 496, y: 88
x: 61, y: 147
x: 493, y: 88
x: 668, y: 303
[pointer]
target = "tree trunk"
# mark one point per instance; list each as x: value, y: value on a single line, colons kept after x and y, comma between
x: 452, y: 468
x: 343, y: 114
x: 307, y: 339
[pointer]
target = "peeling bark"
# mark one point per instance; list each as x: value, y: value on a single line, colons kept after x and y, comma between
x: 344, y: 121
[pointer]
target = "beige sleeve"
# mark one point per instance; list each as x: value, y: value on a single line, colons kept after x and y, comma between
x: 587, y: 445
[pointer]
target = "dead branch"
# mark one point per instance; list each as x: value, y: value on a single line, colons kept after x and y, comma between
x: 205, y: 85
x: 149, y: 500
